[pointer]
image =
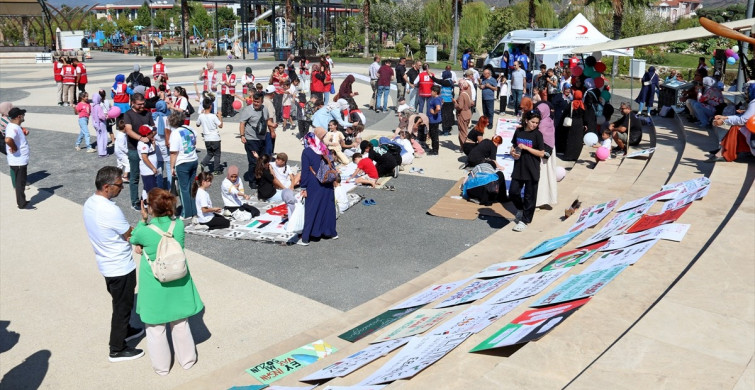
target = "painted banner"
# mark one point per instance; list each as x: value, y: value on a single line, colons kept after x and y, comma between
x: 671, y: 232
x: 376, y: 323
x: 279, y: 367
x: 527, y: 285
x: 624, y: 256
x: 618, y: 224
x: 248, y: 387
x: 510, y: 267
x: 420, y: 353
x: 372, y: 387
x: 640, y: 153
x: 650, y: 221
x: 415, y: 324
x: 474, y: 291
x: 353, y: 362
x: 688, y: 186
x: 579, y: 286
x: 551, y: 245
x: 276, y: 387
x: 429, y: 295
x: 568, y: 259
x: 686, y: 198
x: 531, y: 325
x: 647, y: 199
x: 592, y: 215
x: 476, y: 318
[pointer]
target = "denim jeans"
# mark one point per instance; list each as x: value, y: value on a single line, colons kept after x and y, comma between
x: 487, y: 110
x: 703, y: 112
x: 516, y: 99
x: 84, y: 133
x: 382, y: 95
x: 185, y: 173
x: 133, y: 184
x: 423, y: 105
x: 413, y: 92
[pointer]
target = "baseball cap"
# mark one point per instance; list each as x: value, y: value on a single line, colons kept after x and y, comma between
x: 145, y: 130
x: 567, y: 85
x: 270, y: 89
x: 15, y: 112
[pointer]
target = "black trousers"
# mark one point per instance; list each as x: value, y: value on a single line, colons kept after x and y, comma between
x: 19, y: 183
x: 504, y: 101
x: 217, y: 222
x: 447, y: 114
x: 434, y: 136
x: 226, y: 107
x: 526, y: 203
x: 213, y: 151
x: 486, y: 196
x: 252, y: 146
x: 245, y: 207
x: 121, y: 289
x: 304, y: 127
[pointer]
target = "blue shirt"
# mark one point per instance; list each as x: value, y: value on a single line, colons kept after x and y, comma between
x: 322, y: 117
x: 447, y: 94
x: 433, y: 103
x: 487, y: 93
x: 465, y: 61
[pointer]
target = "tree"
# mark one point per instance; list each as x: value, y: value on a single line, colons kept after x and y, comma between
x: 144, y: 15
x: 474, y: 25
x: 185, y: 27
x: 366, y: 19
x: 439, y: 21
x: 502, y: 21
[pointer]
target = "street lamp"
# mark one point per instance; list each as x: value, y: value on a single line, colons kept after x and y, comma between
x: 151, y: 30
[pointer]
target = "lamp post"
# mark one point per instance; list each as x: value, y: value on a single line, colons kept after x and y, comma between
x: 151, y: 30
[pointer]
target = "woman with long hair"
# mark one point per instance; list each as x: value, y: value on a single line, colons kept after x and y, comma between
x: 475, y: 136
x: 527, y: 149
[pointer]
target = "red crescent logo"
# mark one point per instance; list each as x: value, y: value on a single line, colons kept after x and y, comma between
x: 584, y: 29
x: 543, y: 46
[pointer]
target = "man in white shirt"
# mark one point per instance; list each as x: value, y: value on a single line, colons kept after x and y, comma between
x: 109, y: 232
x: 17, y: 151
x: 374, y: 67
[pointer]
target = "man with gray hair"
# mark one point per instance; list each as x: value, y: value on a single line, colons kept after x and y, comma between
x: 109, y: 232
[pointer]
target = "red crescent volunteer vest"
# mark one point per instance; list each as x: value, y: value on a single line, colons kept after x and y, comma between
x: 82, y: 73
x: 229, y: 90
x: 158, y: 70
x: 425, y: 84
x: 57, y: 68
x: 69, y: 74
x: 121, y: 95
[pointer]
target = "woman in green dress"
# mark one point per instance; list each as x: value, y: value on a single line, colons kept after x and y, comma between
x: 159, y: 304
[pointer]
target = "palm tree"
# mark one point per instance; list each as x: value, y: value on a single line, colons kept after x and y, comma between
x: 185, y: 27
x: 366, y: 16
x: 532, y: 24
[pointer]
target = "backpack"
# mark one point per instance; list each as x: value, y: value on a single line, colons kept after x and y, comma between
x: 393, y: 150
x: 325, y: 172
x: 170, y: 260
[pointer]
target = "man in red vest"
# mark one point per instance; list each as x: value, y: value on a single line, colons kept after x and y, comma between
x: 57, y: 68
x: 159, y: 70
x: 81, y: 74
x: 424, y: 83
x: 69, y: 83
x: 209, y: 77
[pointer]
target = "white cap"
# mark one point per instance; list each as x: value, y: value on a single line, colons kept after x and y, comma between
x: 270, y: 89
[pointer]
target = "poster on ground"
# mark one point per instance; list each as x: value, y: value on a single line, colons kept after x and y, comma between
x: 579, y: 286
x: 357, y: 387
x: 415, y: 324
x: 376, y: 323
x: 355, y: 361
x: 420, y: 353
x: 531, y: 325
x: 568, y: 259
x: 476, y: 290
x: 476, y: 318
x: 592, y: 215
x: 429, y: 295
x: 617, y: 257
x: 551, y: 245
x: 618, y: 224
x: 650, y: 221
x: 688, y: 186
x: 647, y: 199
x: 527, y: 285
x: 509, y: 267
x: 686, y: 198
x: 670, y: 232
x: 288, y: 363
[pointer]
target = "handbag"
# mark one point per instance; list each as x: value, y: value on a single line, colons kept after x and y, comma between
x: 325, y: 172
x: 567, y: 120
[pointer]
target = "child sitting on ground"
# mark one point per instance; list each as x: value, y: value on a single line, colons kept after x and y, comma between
x: 365, y: 166
x: 210, y: 124
x: 284, y: 173
x: 342, y: 199
x: 334, y: 139
x: 604, y: 143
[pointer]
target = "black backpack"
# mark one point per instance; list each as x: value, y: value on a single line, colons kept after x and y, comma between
x: 393, y: 150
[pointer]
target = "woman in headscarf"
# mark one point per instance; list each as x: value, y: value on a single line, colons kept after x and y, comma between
x: 345, y: 91
x: 463, y: 107
x: 228, y: 90
x: 647, y: 92
x: 705, y: 106
x: 577, y: 129
x: 591, y: 100
x: 99, y: 117
x: 320, y: 209
x: 4, y: 120
x: 121, y: 93
x: 160, y: 117
x: 136, y: 77
x: 547, y: 189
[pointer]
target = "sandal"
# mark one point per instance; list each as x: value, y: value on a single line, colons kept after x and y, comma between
x: 369, y: 202
x: 389, y: 188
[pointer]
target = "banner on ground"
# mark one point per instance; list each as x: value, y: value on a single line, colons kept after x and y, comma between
x: 415, y: 324
x: 376, y: 323
x: 355, y: 361
x: 551, y: 245
x: 671, y: 232
x: 592, y: 215
x: 660, y: 195
x: 429, y: 295
x: 510, y: 267
x: 527, y: 285
x: 474, y: 291
x: 531, y: 325
x: 579, y: 286
x: 476, y: 318
x: 283, y: 365
x: 568, y: 259
x: 618, y: 224
x: 618, y: 257
x: 650, y: 221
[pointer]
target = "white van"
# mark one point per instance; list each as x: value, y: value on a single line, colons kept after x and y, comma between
x: 523, y: 39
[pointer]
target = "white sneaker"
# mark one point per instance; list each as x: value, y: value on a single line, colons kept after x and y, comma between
x: 520, y: 227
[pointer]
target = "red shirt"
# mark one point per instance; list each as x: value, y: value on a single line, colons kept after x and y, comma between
x: 425, y: 84
x: 57, y: 68
x: 82, y: 71
x: 385, y: 73
x: 366, y: 165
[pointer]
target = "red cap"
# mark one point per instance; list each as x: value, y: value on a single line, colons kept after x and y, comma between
x: 145, y: 130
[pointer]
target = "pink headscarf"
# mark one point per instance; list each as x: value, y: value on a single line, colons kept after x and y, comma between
x: 232, y: 170
x: 5, y: 108
x: 546, y: 125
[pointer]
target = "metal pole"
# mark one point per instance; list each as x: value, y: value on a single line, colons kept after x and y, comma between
x: 244, y: 40
x: 151, y: 30
x: 275, y: 43
x: 743, y: 47
x: 217, y: 31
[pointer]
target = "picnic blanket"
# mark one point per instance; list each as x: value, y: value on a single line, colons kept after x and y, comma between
x: 452, y: 205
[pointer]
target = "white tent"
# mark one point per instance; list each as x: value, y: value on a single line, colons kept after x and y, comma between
x: 579, y: 32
